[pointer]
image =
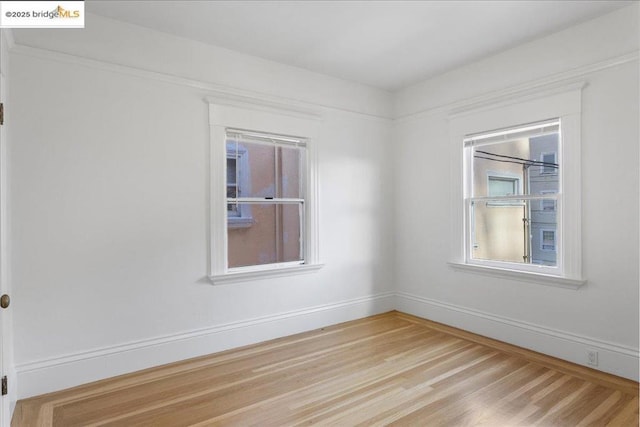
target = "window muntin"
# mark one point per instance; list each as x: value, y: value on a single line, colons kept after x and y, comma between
x: 496, y: 232
x: 274, y: 194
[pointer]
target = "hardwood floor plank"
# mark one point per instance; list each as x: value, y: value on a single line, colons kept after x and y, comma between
x: 390, y: 369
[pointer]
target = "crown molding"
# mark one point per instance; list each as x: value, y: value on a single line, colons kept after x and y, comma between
x: 213, y: 91
x: 548, y: 85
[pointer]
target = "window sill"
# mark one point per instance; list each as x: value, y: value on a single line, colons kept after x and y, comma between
x: 524, y: 276
x: 244, y: 276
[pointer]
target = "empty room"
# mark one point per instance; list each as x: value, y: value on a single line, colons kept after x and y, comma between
x: 281, y: 213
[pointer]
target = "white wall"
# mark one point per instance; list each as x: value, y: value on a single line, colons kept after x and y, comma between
x: 603, y: 314
x: 109, y: 202
x: 6, y: 316
x: 142, y: 49
x: 109, y: 183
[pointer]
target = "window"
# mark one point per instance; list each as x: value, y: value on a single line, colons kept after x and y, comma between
x: 547, y: 205
x: 238, y: 216
x: 516, y: 184
x: 503, y: 184
x: 498, y: 232
x: 549, y: 165
x: 548, y: 240
x: 263, y: 210
x: 275, y: 192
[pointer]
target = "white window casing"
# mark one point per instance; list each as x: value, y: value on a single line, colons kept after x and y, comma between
x: 231, y: 112
x: 561, y: 103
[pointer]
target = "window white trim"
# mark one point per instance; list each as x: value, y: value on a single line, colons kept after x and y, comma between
x: 563, y: 104
x: 262, y: 117
x: 522, y: 276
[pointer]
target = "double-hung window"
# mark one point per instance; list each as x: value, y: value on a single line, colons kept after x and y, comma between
x: 516, y: 187
x: 264, y: 210
x: 503, y: 213
x: 275, y: 169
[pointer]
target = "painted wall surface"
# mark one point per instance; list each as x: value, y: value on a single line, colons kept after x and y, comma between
x: 110, y: 197
x: 6, y: 316
x: 587, y: 44
x: 121, y: 43
x: 605, y: 309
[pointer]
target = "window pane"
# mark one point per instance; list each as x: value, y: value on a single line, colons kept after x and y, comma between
x: 513, y: 233
x: 231, y: 171
x: 289, y: 172
x: 274, y: 236
x: 266, y: 170
x: 501, y: 186
x: 532, y: 162
x: 549, y: 162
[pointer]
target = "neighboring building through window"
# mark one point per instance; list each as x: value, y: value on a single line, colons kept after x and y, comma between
x: 503, y: 185
x: 270, y: 199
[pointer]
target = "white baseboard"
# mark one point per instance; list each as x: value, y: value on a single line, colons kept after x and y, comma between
x: 66, y: 371
x: 612, y: 358
x: 58, y: 373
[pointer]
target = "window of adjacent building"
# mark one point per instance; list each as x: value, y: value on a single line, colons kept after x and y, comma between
x: 500, y: 184
x: 548, y: 161
x: 503, y: 186
x: 548, y: 205
x: 504, y: 213
x: 548, y: 240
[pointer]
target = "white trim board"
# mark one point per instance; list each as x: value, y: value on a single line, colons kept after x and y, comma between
x: 613, y: 358
x: 57, y: 373
x: 48, y: 375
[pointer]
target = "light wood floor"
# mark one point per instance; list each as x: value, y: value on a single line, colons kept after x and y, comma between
x: 387, y: 369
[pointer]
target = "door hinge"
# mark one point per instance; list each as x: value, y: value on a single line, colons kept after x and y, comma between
x: 1, y: 113
x: 4, y: 385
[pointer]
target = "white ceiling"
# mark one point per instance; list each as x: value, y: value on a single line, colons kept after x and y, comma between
x: 385, y: 44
